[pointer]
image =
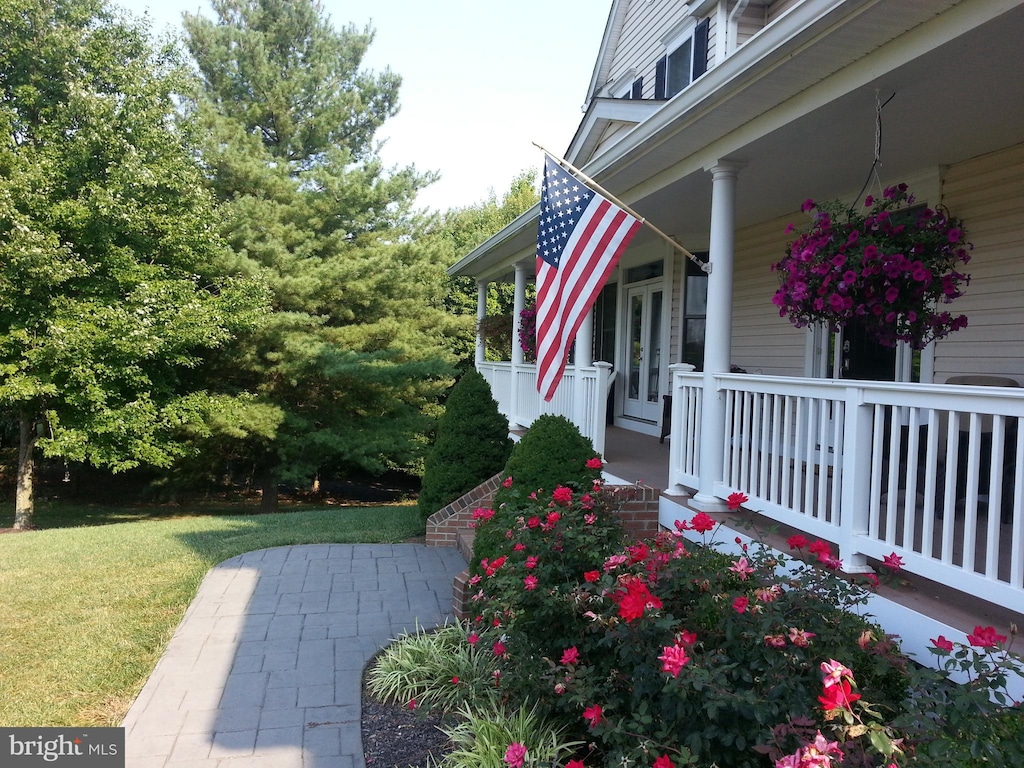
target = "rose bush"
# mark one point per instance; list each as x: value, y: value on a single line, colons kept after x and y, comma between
x: 552, y: 453
x: 889, y: 269
x: 545, y: 550
x: 664, y: 651
x: 670, y: 652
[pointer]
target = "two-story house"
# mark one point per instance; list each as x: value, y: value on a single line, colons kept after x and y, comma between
x: 715, y: 120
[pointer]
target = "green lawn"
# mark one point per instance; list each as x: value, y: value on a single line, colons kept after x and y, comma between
x: 86, y: 612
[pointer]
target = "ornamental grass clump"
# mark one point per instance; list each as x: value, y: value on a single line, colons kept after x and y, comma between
x: 503, y: 738
x: 890, y: 270
x: 432, y: 670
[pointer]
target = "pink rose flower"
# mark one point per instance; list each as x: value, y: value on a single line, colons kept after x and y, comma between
x: 515, y: 754
x: 735, y: 500
x: 985, y: 637
x: 592, y: 714
x: 562, y: 496
x: 673, y: 659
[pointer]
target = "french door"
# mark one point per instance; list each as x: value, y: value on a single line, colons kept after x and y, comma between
x: 642, y: 398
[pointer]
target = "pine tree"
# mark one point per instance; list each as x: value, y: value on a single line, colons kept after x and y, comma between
x: 355, y: 354
x: 453, y: 234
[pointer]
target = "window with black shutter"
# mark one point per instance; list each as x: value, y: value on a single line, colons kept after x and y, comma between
x: 685, y: 63
x: 700, y: 48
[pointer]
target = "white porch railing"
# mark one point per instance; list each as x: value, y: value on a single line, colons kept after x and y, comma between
x: 934, y: 473
x: 581, y: 397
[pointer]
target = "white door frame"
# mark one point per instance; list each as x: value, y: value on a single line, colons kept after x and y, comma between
x: 644, y: 351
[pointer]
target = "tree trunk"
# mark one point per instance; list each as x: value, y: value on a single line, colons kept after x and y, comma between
x: 23, y: 500
x: 268, y: 482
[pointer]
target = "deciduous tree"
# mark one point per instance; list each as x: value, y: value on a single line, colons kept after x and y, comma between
x: 107, y: 299
x: 455, y: 233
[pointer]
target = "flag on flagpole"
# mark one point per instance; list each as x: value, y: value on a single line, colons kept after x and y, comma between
x: 580, y: 237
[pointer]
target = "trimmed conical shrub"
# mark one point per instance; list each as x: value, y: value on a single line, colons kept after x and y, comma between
x: 550, y: 454
x: 472, y: 444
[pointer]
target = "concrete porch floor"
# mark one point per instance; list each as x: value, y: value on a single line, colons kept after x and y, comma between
x: 634, y: 457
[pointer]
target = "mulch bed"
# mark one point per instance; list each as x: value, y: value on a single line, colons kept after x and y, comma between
x: 394, y: 735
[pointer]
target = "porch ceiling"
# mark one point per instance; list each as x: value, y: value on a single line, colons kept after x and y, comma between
x: 799, y: 111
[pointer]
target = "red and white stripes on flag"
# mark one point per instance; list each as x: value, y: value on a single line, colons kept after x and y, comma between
x: 580, y: 237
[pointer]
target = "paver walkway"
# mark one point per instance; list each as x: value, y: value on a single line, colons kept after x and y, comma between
x: 265, y: 670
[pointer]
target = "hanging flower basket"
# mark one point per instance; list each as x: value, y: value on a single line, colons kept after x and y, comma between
x: 890, y: 270
x: 528, y: 332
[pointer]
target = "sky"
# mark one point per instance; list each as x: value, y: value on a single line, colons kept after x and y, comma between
x: 481, y: 81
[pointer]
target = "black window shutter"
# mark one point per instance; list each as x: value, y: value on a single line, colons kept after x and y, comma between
x: 659, y: 77
x: 700, y: 48
x: 638, y: 89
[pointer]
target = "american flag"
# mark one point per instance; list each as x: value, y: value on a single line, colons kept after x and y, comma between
x: 580, y: 237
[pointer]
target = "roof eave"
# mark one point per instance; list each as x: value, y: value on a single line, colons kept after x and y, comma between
x: 511, y: 240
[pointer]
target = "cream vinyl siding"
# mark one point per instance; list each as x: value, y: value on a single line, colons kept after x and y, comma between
x: 712, y: 38
x: 778, y: 8
x: 612, y: 134
x: 987, y: 193
x: 751, y: 21
x: 763, y: 342
x: 675, y: 342
x: 641, y: 41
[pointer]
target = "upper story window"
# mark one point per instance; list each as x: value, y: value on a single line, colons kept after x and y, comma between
x: 626, y: 86
x: 686, y: 60
x: 634, y: 90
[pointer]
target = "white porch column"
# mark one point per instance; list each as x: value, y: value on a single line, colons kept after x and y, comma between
x: 717, y: 332
x: 585, y: 341
x: 584, y: 359
x: 518, y: 305
x: 481, y: 313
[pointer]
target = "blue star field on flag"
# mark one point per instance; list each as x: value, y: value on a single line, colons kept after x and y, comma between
x: 563, y: 200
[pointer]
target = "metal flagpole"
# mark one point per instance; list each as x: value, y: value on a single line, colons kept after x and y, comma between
x: 704, y: 265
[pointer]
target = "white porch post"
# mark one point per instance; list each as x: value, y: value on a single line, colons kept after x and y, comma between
x: 518, y: 357
x: 481, y: 313
x: 584, y: 359
x: 518, y: 305
x: 718, y: 331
